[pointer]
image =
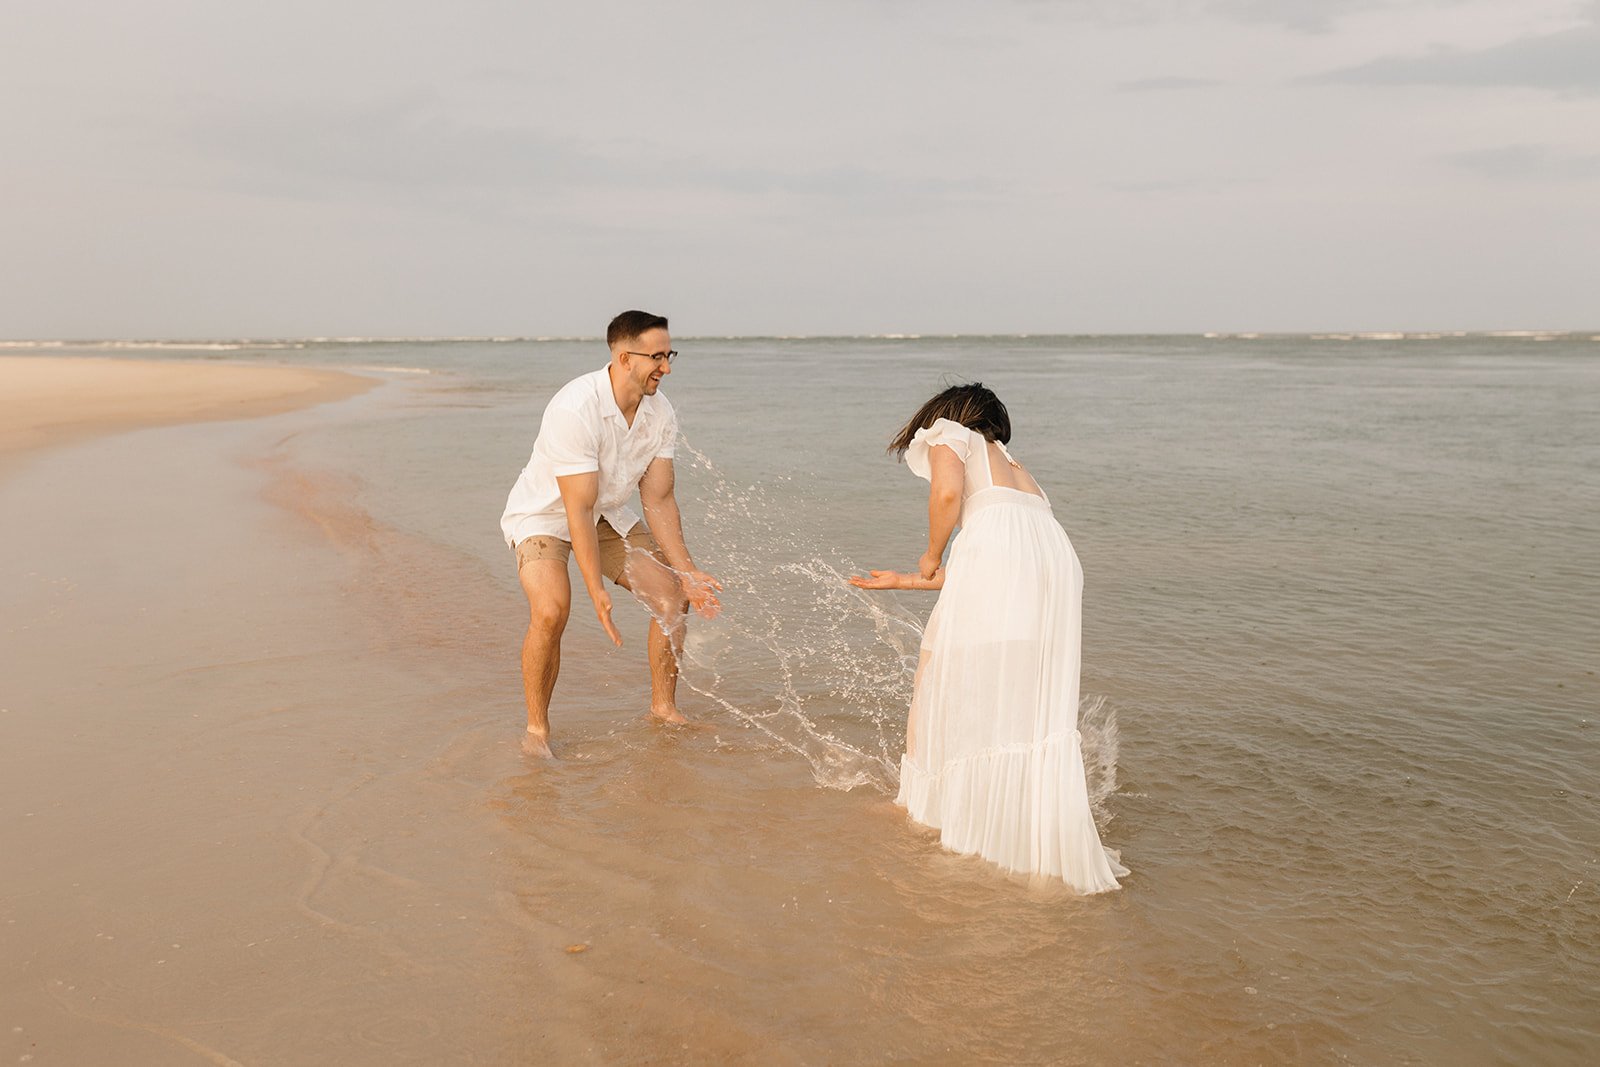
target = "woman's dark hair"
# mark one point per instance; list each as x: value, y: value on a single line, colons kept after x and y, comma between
x: 973, y: 406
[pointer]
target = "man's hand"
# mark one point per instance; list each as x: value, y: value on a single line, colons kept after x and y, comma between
x: 602, y: 609
x: 698, y: 587
x: 929, y: 564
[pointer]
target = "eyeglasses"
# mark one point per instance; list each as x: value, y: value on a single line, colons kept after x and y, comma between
x: 657, y: 356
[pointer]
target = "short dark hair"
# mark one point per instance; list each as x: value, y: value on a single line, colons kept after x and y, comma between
x: 972, y: 406
x: 631, y: 324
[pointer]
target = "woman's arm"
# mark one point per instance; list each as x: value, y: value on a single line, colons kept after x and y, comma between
x: 897, y: 580
x: 947, y: 476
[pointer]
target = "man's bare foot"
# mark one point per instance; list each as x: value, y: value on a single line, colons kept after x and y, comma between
x: 668, y: 714
x: 536, y: 745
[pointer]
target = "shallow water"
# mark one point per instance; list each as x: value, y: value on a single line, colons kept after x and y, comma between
x: 1339, y: 629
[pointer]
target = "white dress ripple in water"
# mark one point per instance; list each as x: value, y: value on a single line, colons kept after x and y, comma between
x: 993, y: 755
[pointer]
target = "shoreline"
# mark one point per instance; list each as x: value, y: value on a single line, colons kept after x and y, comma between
x: 50, y: 401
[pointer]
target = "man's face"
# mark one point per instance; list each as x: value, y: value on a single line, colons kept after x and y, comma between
x: 644, y: 358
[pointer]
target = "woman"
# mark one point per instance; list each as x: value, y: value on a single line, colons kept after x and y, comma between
x: 992, y: 749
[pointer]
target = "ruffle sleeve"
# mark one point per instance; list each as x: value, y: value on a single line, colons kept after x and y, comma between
x: 943, y: 432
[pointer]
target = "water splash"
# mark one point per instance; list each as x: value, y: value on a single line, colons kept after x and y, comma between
x: 1100, y: 743
x: 818, y: 667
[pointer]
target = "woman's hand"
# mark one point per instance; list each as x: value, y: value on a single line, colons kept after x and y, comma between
x: 898, y: 580
x: 881, y: 580
x: 929, y: 564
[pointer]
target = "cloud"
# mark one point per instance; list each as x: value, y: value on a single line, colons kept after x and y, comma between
x: 1179, y: 186
x: 1305, y: 16
x: 410, y: 147
x: 394, y: 142
x: 1146, y: 85
x: 1525, y: 162
x: 1567, y: 62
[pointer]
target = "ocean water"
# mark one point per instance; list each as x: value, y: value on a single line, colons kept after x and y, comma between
x: 1342, y: 598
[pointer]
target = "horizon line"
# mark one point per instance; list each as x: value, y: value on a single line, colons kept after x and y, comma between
x: 300, y: 341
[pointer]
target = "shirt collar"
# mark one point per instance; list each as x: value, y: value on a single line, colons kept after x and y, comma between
x: 608, y: 400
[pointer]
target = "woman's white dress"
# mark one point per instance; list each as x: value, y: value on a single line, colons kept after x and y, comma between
x: 993, y: 758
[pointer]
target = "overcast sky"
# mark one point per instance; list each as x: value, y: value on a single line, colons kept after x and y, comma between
x: 517, y: 167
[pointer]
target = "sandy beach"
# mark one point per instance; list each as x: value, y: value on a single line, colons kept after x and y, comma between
x: 47, y: 401
x: 162, y: 773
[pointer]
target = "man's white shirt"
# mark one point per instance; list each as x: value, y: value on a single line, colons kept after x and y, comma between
x: 583, y: 430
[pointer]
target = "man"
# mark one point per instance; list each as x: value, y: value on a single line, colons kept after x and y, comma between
x: 603, y: 435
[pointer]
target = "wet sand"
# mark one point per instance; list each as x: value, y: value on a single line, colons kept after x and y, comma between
x: 160, y: 774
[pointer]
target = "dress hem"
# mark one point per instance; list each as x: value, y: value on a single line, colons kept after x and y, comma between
x: 1022, y: 807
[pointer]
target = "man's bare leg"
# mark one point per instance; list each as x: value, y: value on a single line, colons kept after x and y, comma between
x: 549, y: 592
x: 656, y: 587
x: 664, y: 650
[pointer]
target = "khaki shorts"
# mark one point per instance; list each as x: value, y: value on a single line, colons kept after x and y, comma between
x: 614, y: 548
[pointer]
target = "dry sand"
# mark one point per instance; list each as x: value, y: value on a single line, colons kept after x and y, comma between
x: 47, y: 400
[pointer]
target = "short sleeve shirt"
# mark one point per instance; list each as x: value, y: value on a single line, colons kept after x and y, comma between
x: 583, y: 430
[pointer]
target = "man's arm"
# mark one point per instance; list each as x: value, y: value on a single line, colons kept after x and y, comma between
x: 661, y: 513
x: 578, y: 495
x: 665, y: 522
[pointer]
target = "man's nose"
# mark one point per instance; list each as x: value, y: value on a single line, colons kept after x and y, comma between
x: 666, y: 367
